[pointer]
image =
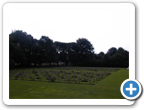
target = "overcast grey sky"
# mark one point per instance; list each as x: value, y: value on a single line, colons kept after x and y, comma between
x: 103, y: 26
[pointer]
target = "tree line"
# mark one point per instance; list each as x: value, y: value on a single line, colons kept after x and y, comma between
x: 26, y: 51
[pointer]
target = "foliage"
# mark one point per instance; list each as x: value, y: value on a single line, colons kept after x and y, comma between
x: 52, y: 79
x: 11, y: 63
x: 25, y: 51
x: 80, y: 75
x: 112, y: 51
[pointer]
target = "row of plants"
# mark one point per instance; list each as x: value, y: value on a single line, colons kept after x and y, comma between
x: 63, y: 75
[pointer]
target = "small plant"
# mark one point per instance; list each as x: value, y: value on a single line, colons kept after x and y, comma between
x: 79, y: 80
x: 23, y: 76
x: 34, y: 71
x: 12, y: 73
x: 16, y: 77
x: 52, y: 79
x: 91, y: 76
x: 48, y: 78
x: 68, y: 80
x: 89, y: 81
x: 93, y: 79
x: 39, y: 78
x: 31, y: 75
x: 58, y: 79
x: 31, y: 78
x: 84, y: 79
x: 74, y: 78
x: 65, y: 78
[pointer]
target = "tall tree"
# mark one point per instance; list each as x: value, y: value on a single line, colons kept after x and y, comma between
x: 48, y: 51
x: 86, y: 50
x: 36, y: 51
x: 73, y: 53
x: 22, y: 42
x: 62, y: 51
x: 118, y: 58
x: 24, y: 50
x: 112, y: 51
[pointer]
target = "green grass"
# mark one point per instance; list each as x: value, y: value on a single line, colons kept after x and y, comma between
x: 108, y: 88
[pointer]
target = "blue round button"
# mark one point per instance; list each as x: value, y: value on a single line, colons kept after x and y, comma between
x: 131, y: 89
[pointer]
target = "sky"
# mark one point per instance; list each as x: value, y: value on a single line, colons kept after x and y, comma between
x: 104, y: 27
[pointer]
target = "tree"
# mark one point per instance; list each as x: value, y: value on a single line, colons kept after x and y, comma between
x: 62, y: 51
x: 35, y: 54
x: 21, y: 43
x: 112, y: 51
x: 100, y: 59
x: 16, y: 55
x: 25, y: 50
x: 107, y: 62
x: 73, y: 53
x: 101, y: 56
x: 11, y: 63
x: 48, y: 50
x: 120, y: 50
x: 85, y: 45
x: 117, y: 60
x: 113, y: 58
x: 86, y: 50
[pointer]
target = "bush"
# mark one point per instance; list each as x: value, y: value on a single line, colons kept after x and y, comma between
x: 84, y: 80
x: 52, y: 79
x: 38, y: 78
x: 89, y: 81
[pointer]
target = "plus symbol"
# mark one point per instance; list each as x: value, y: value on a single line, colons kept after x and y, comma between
x: 131, y: 89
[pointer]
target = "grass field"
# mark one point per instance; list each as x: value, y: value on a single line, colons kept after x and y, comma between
x: 68, y: 83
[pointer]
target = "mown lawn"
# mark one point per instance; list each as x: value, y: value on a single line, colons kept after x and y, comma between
x: 108, y: 88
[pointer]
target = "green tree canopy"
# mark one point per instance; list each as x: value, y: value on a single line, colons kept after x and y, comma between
x: 24, y: 50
